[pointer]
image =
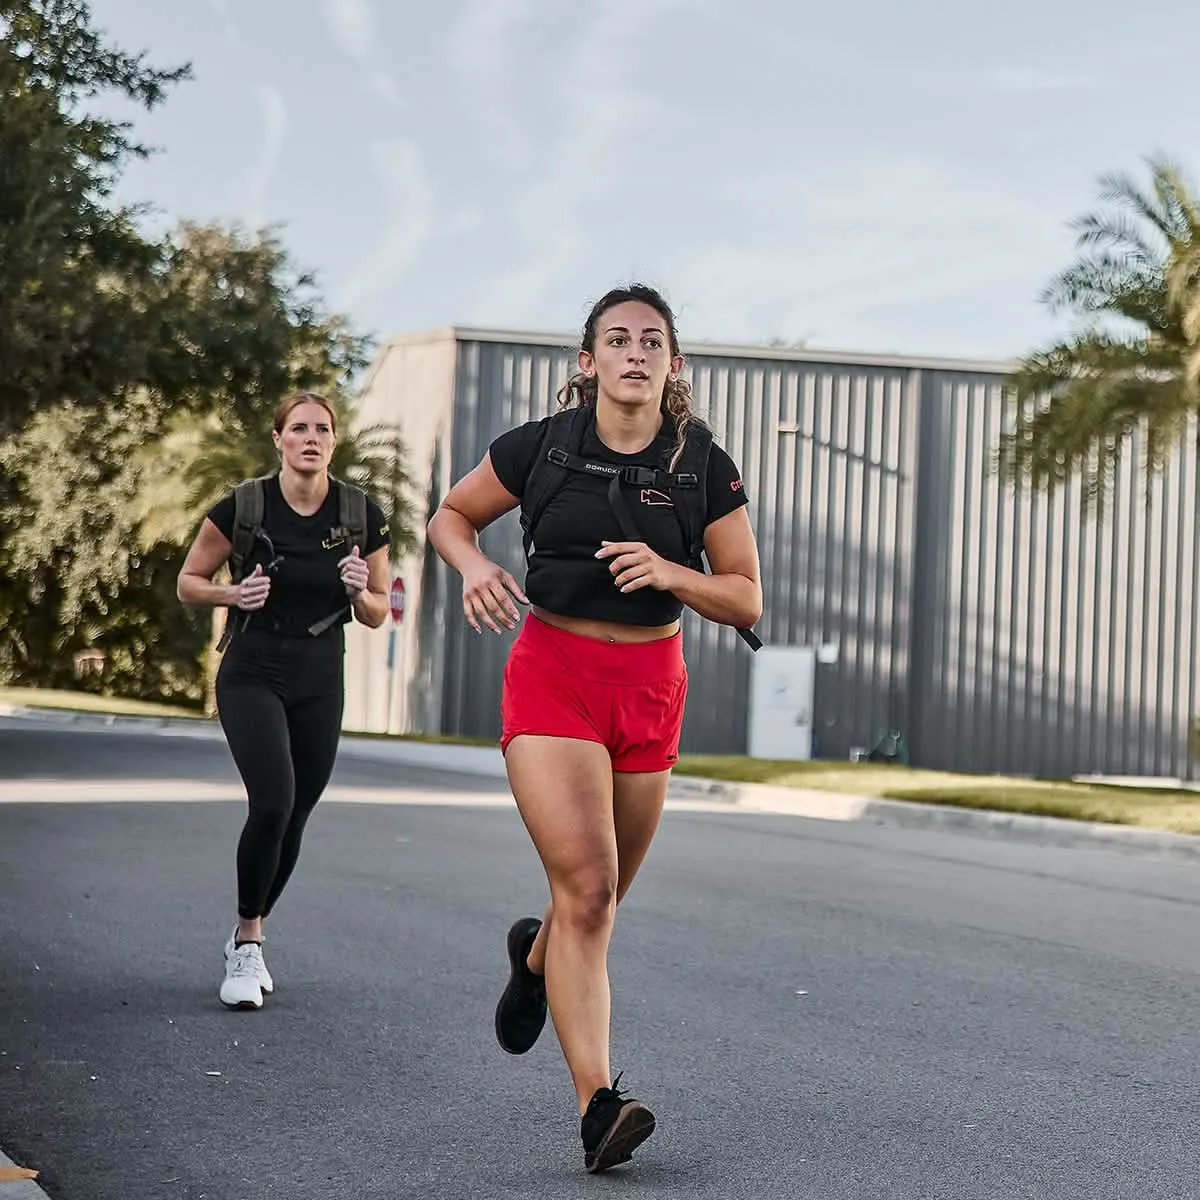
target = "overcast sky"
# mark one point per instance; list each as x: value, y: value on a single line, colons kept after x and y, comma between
x: 868, y: 176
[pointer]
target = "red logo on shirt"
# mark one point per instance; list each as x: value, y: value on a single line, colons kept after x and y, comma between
x: 659, y: 499
x: 736, y: 486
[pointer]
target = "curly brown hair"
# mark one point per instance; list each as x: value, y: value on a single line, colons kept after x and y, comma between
x: 582, y: 389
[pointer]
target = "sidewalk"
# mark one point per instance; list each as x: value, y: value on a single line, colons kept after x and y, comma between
x: 21, y: 1189
x: 821, y: 806
x: 487, y: 762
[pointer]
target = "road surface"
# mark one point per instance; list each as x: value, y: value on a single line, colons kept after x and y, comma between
x: 813, y: 1009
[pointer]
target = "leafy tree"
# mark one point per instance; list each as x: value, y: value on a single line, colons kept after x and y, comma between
x: 198, y: 461
x: 135, y: 375
x: 1132, y: 367
x: 75, y: 273
x: 91, y: 495
x: 239, y: 326
x: 75, y: 575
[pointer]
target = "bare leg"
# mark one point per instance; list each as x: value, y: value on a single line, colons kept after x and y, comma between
x: 569, y: 800
x: 249, y: 929
x: 637, y: 807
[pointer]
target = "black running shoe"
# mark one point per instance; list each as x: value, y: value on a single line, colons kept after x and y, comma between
x: 521, y: 1013
x: 612, y: 1128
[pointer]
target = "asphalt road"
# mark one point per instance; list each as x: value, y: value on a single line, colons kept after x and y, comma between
x: 813, y: 1009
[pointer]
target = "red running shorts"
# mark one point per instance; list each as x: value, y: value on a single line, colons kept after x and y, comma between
x: 628, y: 696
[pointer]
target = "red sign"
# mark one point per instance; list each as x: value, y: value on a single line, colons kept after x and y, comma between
x: 396, y: 598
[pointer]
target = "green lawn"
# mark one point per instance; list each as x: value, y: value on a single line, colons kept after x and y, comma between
x: 1172, y: 809
x: 87, y: 702
x: 1151, y: 808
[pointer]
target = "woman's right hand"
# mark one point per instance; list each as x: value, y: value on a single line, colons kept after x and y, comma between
x: 251, y: 594
x: 488, y: 591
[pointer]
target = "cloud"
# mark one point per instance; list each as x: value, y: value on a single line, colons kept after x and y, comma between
x: 221, y: 8
x: 478, y: 48
x: 461, y: 223
x: 353, y: 30
x: 408, y: 199
x: 384, y: 86
x: 274, y: 114
x: 1035, y: 79
x: 350, y: 21
x: 600, y: 106
x: 840, y: 265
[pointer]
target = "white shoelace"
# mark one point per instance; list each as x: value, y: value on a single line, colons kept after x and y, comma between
x: 245, y: 961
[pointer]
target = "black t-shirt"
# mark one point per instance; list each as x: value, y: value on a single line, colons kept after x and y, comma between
x: 563, y: 575
x: 305, y: 584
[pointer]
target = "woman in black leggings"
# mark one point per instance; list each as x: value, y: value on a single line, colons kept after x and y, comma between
x: 301, y: 571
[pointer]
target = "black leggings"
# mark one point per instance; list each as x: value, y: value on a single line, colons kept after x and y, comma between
x: 280, y: 702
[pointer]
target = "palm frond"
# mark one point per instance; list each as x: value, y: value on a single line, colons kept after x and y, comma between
x: 1159, y: 207
x: 1129, y: 378
x: 1116, y: 232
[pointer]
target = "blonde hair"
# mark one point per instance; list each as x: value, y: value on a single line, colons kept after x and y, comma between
x: 295, y: 400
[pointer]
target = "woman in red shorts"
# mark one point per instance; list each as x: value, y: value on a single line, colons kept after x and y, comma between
x: 619, y: 492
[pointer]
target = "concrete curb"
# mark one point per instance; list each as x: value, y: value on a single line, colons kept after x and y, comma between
x: 488, y: 762
x: 178, y: 726
x: 1018, y: 827
x: 21, y: 1189
x: 825, y: 806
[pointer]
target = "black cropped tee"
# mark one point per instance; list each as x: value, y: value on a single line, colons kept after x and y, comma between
x: 305, y: 583
x: 563, y: 575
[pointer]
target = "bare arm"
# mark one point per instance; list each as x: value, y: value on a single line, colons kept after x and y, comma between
x: 207, y: 555
x: 731, y: 595
x: 371, y: 604
x: 477, y: 500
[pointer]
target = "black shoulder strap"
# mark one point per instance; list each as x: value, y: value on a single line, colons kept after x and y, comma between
x: 691, y: 506
x: 563, y: 436
x: 559, y: 453
x: 249, y: 504
x: 352, y: 514
x: 352, y: 522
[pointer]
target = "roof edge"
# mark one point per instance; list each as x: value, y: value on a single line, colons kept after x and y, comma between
x: 697, y: 349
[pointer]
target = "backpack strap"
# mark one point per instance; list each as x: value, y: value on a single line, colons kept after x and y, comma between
x: 693, y: 517
x: 559, y: 453
x: 352, y: 524
x: 563, y: 439
x: 249, y: 503
x: 691, y: 504
x: 352, y: 513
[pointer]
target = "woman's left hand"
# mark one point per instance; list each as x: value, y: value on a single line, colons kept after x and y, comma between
x: 354, y: 572
x: 634, y: 566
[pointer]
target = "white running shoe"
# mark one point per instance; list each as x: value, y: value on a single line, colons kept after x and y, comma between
x: 240, y: 987
x: 264, y: 976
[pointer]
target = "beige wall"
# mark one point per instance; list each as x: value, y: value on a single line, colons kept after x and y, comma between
x: 410, y: 384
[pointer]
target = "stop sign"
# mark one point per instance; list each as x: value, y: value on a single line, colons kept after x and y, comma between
x: 396, y: 598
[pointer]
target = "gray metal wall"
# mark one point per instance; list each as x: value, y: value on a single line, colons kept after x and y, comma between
x: 827, y: 453
x: 1049, y: 642
x: 996, y: 631
x: 497, y: 385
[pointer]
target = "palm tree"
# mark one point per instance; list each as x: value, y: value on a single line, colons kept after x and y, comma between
x: 199, y: 460
x: 1133, y: 365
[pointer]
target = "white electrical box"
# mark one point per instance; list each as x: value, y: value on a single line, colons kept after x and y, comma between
x: 781, y: 702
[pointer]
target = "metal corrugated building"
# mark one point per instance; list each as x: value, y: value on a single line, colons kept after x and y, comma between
x: 997, y: 631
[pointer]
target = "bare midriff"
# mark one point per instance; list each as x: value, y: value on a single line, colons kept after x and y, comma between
x: 607, y: 631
